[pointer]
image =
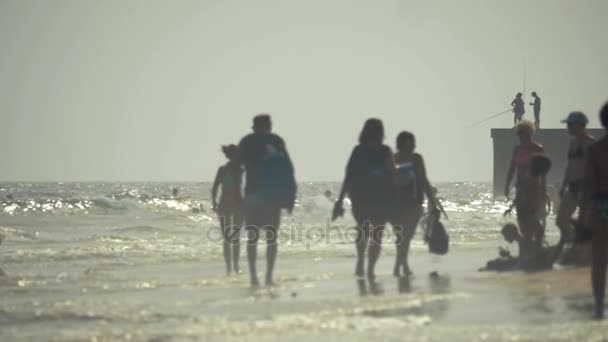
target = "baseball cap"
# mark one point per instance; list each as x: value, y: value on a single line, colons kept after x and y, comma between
x: 576, y: 118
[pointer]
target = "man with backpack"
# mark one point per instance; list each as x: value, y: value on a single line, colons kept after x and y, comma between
x: 270, y: 186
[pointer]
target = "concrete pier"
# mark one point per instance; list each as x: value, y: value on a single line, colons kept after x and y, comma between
x: 555, y: 142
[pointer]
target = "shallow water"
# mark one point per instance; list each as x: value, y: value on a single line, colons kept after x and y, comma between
x: 129, y: 262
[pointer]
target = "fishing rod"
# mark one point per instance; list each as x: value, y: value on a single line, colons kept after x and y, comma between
x: 492, y: 117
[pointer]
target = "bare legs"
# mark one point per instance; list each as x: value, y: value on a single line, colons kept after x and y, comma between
x: 369, y: 236
x: 375, y: 244
x: 231, y: 226
x: 532, y: 234
x: 252, y: 254
x: 361, y: 245
x: 260, y: 218
x: 566, y: 209
x: 405, y: 229
x: 226, y: 247
x: 598, y: 274
x: 236, y: 242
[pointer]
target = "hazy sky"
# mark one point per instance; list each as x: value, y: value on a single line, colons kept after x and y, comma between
x: 149, y: 90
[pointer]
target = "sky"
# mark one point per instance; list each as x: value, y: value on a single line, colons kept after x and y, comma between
x: 127, y: 90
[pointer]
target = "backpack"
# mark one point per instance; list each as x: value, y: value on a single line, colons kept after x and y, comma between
x: 435, y: 234
x: 371, y: 178
x: 276, y: 180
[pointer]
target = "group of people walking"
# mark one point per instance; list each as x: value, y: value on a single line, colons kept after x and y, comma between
x: 270, y: 186
x: 384, y: 187
x: 584, y: 187
x: 387, y: 187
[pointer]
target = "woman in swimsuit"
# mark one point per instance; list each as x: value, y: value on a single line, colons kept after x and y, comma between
x: 229, y: 210
x: 531, y: 205
x: 595, y: 212
x: 370, y: 184
x: 412, y: 185
x: 526, y: 186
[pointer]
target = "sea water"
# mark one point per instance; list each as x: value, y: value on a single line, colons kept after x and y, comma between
x: 129, y: 261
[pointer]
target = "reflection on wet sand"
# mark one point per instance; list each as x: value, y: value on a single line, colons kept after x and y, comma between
x: 404, y: 284
x: 375, y: 287
x: 362, y: 286
x: 429, y: 302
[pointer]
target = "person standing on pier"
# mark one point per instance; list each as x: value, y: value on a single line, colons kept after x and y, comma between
x: 518, y: 108
x: 536, y: 107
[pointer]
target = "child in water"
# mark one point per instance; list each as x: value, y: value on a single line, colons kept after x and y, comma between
x: 540, y: 260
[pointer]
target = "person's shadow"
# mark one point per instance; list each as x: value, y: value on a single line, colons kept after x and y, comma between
x: 375, y: 288
x: 362, y: 286
x: 404, y: 285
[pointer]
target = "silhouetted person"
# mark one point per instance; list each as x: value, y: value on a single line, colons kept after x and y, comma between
x: 536, y: 107
x: 530, y: 185
x: 595, y: 211
x: 229, y: 210
x: 518, y: 108
x: 270, y: 186
x: 530, y: 203
x: 574, y: 177
x: 369, y: 182
x: 175, y: 192
x: 412, y: 186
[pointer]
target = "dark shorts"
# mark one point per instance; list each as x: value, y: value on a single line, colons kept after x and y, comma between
x: 260, y: 214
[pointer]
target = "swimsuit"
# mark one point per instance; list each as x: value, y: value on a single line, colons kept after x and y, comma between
x: 409, y: 193
x: 522, y: 157
x: 577, y: 154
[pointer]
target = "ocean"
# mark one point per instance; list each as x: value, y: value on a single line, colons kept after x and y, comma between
x: 128, y: 261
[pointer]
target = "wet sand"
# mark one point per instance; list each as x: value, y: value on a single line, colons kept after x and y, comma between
x: 316, y: 296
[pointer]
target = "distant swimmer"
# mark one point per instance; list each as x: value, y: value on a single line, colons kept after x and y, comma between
x: 518, y: 109
x: 595, y: 211
x: 574, y: 177
x: 412, y: 186
x: 270, y: 186
x: 536, y: 107
x: 229, y: 179
x: 370, y: 184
